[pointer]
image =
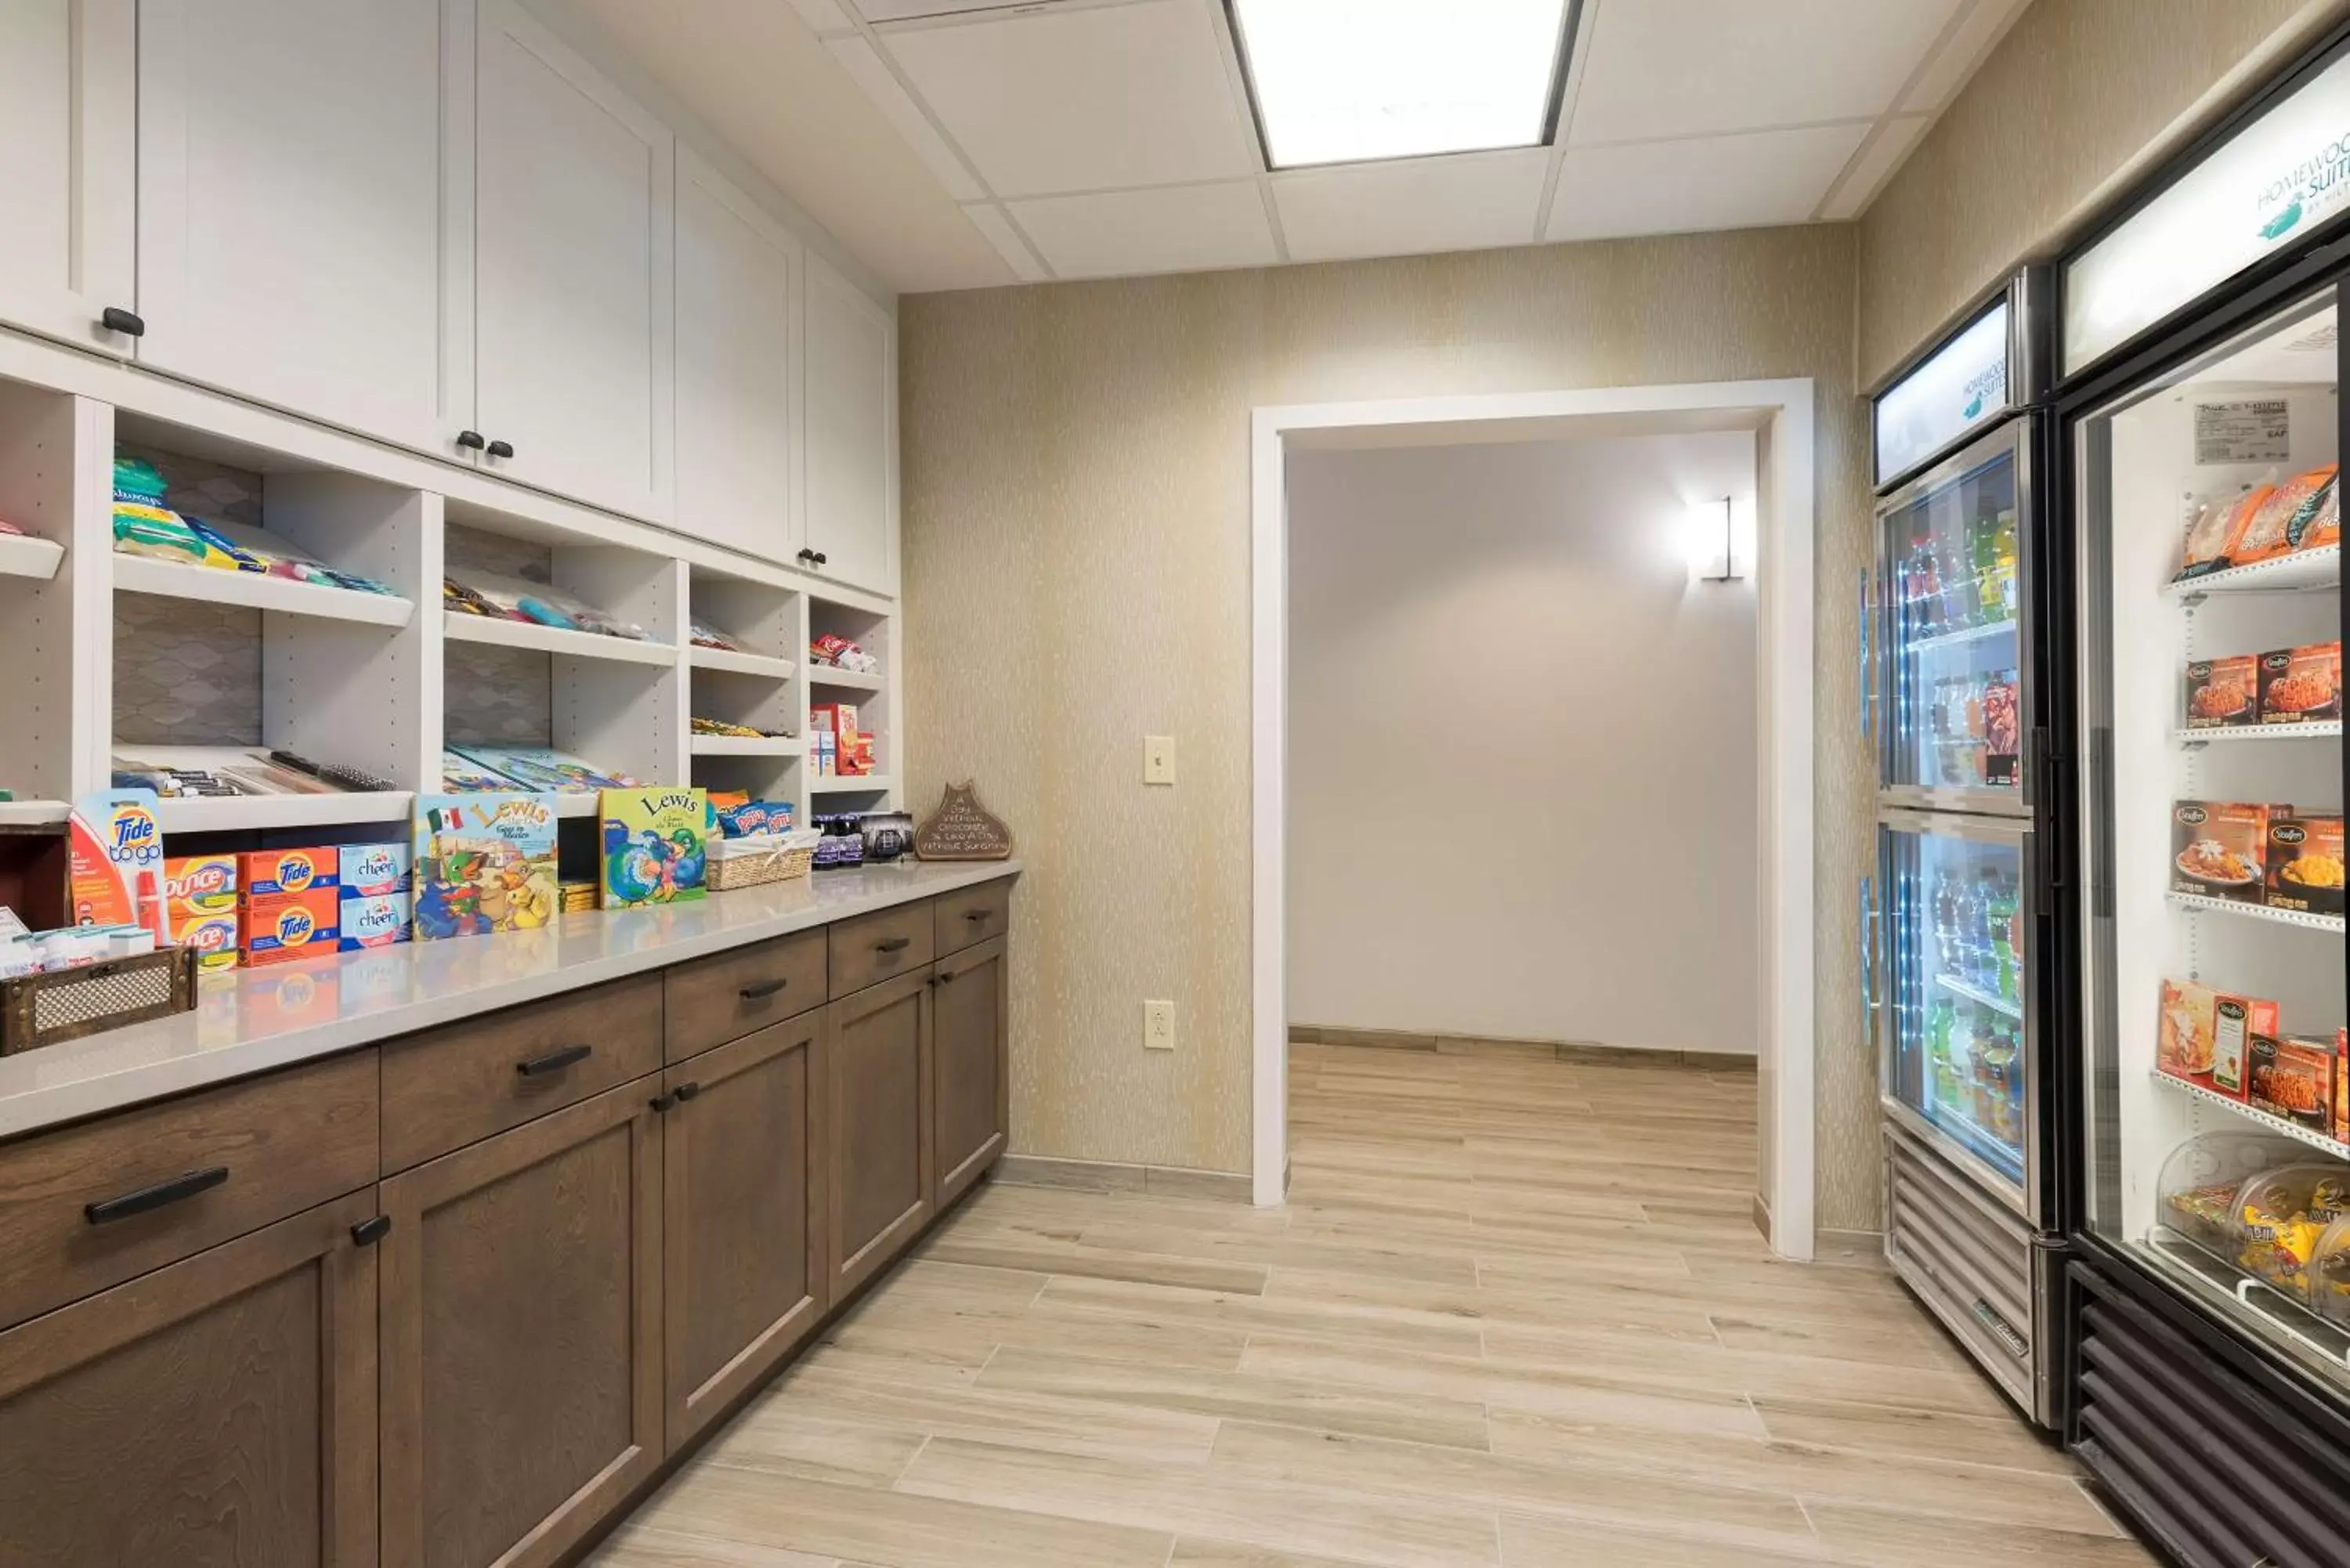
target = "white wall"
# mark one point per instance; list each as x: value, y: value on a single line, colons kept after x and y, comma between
x: 1521, y: 787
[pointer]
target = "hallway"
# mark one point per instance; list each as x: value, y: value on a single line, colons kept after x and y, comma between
x: 1514, y: 1313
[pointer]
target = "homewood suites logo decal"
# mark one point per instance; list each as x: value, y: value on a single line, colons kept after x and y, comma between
x: 2307, y: 191
x: 1985, y: 384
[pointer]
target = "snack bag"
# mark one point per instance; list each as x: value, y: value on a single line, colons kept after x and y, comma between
x: 2222, y: 692
x: 2283, y: 518
x: 2213, y: 533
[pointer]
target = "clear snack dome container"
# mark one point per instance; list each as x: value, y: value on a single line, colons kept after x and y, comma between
x: 2329, y: 1275
x: 2205, y: 1183
x: 2284, y: 1215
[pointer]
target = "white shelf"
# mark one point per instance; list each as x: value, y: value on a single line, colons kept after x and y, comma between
x: 2323, y: 729
x: 254, y: 590
x: 2277, y: 1125
x: 497, y: 633
x: 748, y: 745
x: 33, y: 812
x: 29, y: 557
x: 240, y: 813
x: 2196, y: 901
x: 845, y: 679
x: 730, y: 663
x: 851, y: 784
x: 1955, y: 638
x: 2296, y: 573
x: 1980, y: 998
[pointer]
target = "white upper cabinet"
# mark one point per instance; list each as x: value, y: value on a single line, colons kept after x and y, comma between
x: 67, y: 166
x: 852, y: 435
x: 289, y: 205
x: 738, y: 368
x: 573, y: 222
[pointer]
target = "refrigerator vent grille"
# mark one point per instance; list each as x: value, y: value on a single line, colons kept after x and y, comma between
x: 2218, y: 1479
x: 1971, y: 1262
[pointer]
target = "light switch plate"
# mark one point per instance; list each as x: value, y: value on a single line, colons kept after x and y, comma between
x: 1158, y: 1026
x: 1158, y: 759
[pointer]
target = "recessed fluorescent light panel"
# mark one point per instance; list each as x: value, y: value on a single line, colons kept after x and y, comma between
x: 1347, y: 81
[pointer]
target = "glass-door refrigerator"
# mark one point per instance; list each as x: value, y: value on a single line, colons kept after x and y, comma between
x: 2202, y: 424
x: 1955, y: 913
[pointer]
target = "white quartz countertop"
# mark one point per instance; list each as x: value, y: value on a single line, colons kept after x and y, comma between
x: 249, y: 1021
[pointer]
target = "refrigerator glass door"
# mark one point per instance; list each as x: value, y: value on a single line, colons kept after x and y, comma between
x: 2213, y: 963
x: 1954, y: 710
x: 1958, y: 1028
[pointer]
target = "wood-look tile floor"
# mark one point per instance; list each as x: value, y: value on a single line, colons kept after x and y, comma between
x: 1514, y: 1313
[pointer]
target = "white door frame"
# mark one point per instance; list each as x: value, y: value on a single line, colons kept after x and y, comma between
x: 1781, y: 411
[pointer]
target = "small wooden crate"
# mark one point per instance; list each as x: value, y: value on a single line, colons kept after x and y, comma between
x: 38, y: 1009
x: 784, y: 861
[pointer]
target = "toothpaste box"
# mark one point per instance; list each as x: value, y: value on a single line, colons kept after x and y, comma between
x: 291, y: 925
x: 372, y: 919
x: 217, y: 935
x: 372, y: 869
x: 265, y: 873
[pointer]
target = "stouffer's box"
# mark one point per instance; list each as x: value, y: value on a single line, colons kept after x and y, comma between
x: 2205, y: 1037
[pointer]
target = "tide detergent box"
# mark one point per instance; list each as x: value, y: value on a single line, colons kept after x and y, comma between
x: 372, y: 870
x: 372, y: 919
x: 200, y: 895
x: 267, y: 873
x: 291, y: 925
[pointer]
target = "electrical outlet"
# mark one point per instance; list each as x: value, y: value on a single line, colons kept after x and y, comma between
x: 1158, y: 1026
x: 1158, y: 759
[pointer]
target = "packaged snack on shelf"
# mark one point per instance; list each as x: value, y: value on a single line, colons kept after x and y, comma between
x: 2214, y: 527
x: 262, y: 873
x: 656, y: 846
x: 2342, y: 1085
x: 865, y: 751
x: 707, y: 636
x: 749, y: 818
x: 372, y: 870
x: 283, y: 926
x: 843, y: 843
x: 2293, y: 1078
x: 257, y: 549
x: 2301, y: 685
x: 2204, y: 1036
x: 2219, y: 848
x: 2284, y: 518
x: 842, y: 654
x: 373, y: 920
x: 484, y: 863
x: 2304, y: 864
x: 542, y: 604
x: 2222, y: 692
x: 2283, y: 1215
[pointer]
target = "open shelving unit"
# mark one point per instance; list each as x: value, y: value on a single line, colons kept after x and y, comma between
x: 251, y: 590
x: 536, y: 639
x: 840, y: 679
x: 25, y: 556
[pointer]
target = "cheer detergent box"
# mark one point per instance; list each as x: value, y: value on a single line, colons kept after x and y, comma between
x: 372, y: 870
x: 291, y: 925
x: 265, y: 873
x: 201, y: 903
x: 372, y: 919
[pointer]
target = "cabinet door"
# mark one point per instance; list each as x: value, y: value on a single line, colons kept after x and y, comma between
x: 289, y: 205
x: 878, y: 1101
x: 743, y: 1189
x: 573, y: 227
x: 852, y: 432
x: 218, y: 1413
x: 738, y: 369
x: 522, y: 1336
x: 971, y: 1043
x: 68, y: 118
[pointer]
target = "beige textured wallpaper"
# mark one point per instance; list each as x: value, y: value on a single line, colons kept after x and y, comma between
x: 2080, y: 97
x: 1076, y: 574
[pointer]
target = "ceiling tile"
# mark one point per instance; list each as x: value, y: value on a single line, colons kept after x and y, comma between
x: 1006, y: 241
x: 825, y: 16
x: 870, y: 72
x: 1703, y: 182
x: 1873, y: 166
x: 1686, y: 67
x: 1193, y: 228
x: 878, y: 11
x: 1083, y: 101
x: 1463, y: 204
x: 1972, y: 37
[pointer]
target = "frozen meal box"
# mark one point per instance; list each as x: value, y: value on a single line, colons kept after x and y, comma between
x: 2293, y: 1079
x: 371, y: 919
x: 267, y: 873
x: 2219, y: 848
x: 291, y: 925
x: 2301, y: 685
x: 2284, y: 519
x: 2304, y: 864
x: 372, y: 869
x: 197, y: 882
x: 2223, y: 691
x: 215, y: 934
x: 2204, y: 1036
x: 2342, y: 1085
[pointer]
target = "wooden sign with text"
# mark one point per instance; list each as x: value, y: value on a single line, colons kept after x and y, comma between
x: 961, y: 829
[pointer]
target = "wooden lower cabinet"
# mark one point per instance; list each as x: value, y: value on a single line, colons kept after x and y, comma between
x: 743, y: 1189
x: 522, y: 1346
x: 971, y: 1049
x: 878, y: 1126
x: 217, y: 1413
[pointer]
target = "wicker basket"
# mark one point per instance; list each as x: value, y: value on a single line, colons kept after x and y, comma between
x: 38, y: 1009
x: 757, y: 860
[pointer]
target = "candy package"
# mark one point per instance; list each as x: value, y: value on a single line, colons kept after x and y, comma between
x: 842, y: 654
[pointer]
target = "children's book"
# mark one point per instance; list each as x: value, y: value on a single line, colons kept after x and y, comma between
x: 538, y: 767
x: 461, y: 775
x: 655, y: 846
x: 485, y: 863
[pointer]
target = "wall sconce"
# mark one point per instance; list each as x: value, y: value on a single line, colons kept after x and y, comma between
x: 1710, y: 539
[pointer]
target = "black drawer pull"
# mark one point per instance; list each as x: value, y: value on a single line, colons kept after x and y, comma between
x: 554, y: 1061
x: 893, y: 944
x: 663, y: 1103
x: 946, y: 977
x: 685, y: 1092
x: 114, y: 318
x: 500, y: 449
x: 764, y: 990
x: 975, y: 916
x: 470, y: 440
x: 155, y: 1196
x: 370, y: 1230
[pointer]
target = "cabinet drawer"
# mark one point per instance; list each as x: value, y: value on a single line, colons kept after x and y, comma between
x: 714, y: 999
x: 446, y: 1087
x: 92, y: 1206
x: 973, y: 915
x: 877, y: 947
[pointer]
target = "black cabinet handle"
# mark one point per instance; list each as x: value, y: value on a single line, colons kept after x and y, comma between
x: 807, y: 554
x: 155, y: 1196
x: 764, y: 990
x: 368, y: 1231
x: 685, y: 1092
x: 975, y: 916
x: 893, y: 944
x: 501, y: 448
x: 554, y: 1061
x: 663, y: 1103
x: 946, y: 977
x: 114, y: 318
x: 821, y: 557
x: 470, y: 439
